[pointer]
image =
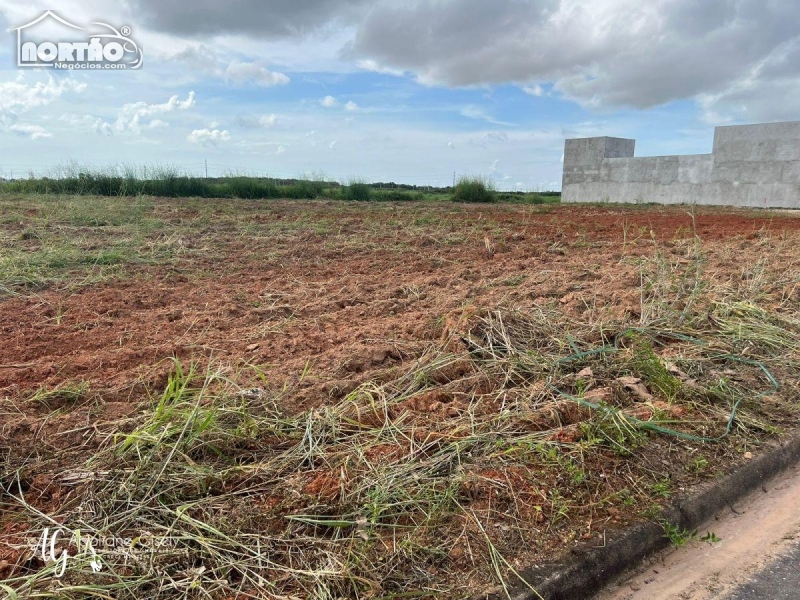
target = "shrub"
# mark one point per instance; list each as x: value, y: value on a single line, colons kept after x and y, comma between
x: 473, y: 189
x: 304, y: 189
x: 357, y: 190
x: 250, y: 188
x: 398, y: 195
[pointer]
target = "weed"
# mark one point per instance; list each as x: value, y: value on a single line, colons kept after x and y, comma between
x: 648, y: 365
x: 474, y: 189
x: 711, y: 538
x: 65, y: 393
x: 677, y: 536
x: 662, y: 488
x: 697, y: 466
x: 515, y: 280
x: 357, y: 190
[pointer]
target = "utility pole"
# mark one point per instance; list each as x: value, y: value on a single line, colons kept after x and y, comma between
x: 454, y: 179
x: 206, y: 161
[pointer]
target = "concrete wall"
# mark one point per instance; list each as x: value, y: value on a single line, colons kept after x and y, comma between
x: 751, y: 165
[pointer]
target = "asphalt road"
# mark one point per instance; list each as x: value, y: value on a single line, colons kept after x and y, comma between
x: 778, y: 580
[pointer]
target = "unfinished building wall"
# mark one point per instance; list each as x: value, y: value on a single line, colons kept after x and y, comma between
x: 751, y: 165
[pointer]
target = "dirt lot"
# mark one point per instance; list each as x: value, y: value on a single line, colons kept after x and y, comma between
x: 404, y: 414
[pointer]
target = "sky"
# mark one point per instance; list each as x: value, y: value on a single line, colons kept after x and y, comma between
x: 411, y: 91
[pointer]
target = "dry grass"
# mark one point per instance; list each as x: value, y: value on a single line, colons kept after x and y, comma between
x: 520, y: 428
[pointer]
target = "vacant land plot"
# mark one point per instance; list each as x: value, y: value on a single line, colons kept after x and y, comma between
x: 314, y: 399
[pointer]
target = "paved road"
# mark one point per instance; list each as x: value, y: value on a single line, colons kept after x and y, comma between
x: 757, y: 558
x: 779, y: 580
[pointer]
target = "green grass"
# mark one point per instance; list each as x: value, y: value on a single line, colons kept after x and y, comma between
x: 58, y: 237
x: 170, y: 182
x: 474, y: 189
x: 357, y: 190
x: 70, y: 241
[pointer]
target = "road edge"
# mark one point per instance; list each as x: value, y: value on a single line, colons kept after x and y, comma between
x: 580, y: 574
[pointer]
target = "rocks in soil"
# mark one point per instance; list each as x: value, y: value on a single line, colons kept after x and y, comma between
x: 635, y: 386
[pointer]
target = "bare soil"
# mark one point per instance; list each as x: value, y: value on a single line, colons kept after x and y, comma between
x: 325, y: 297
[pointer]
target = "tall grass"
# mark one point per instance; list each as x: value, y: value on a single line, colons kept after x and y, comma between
x: 161, y: 180
x: 358, y: 190
x: 474, y: 189
x: 171, y: 182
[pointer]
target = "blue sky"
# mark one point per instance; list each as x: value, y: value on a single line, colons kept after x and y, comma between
x: 398, y: 91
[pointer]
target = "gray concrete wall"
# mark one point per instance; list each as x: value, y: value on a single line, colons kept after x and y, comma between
x: 751, y: 165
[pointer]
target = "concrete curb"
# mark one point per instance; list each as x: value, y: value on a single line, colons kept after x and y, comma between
x: 583, y: 573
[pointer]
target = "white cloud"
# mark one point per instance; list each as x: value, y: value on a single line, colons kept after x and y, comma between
x: 280, y: 150
x: 18, y: 96
x: 92, y: 123
x: 208, y: 137
x: 372, y: 65
x: 601, y: 54
x: 332, y: 145
x: 267, y: 120
x: 34, y: 132
x: 474, y: 112
x: 328, y: 102
x: 132, y: 115
x: 256, y: 121
x: 451, y: 145
x: 351, y: 106
x: 201, y: 58
x: 497, y: 136
x: 493, y: 167
x: 533, y: 90
x: 243, y: 72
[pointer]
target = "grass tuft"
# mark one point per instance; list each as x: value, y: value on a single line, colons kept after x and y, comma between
x: 474, y: 189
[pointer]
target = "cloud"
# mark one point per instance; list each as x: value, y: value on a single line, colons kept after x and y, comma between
x: 739, y: 57
x: 273, y: 20
x: 332, y: 145
x: 497, y: 136
x: 474, y: 112
x: 534, y: 90
x: 208, y: 137
x: 18, y: 96
x: 257, y: 121
x: 34, y: 132
x: 131, y: 116
x: 244, y: 72
x: 351, y: 106
x: 451, y: 145
x: 280, y: 150
x: 370, y: 65
x: 201, y: 59
x: 605, y: 53
x: 329, y: 102
x: 90, y: 122
x: 765, y: 93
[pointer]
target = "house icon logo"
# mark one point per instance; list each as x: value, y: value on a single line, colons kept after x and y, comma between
x: 76, y: 47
